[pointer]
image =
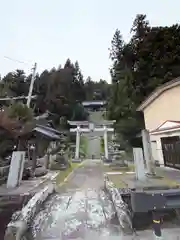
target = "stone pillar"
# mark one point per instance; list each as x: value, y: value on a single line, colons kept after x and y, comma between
x: 160, y: 152
x: 105, y: 143
x: 147, y: 152
x: 47, y: 160
x: 139, y: 164
x: 77, y: 142
x: 51, y: 160
x: 16, y: 169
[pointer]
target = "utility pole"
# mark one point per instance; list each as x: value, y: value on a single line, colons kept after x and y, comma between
x: 31, y: 85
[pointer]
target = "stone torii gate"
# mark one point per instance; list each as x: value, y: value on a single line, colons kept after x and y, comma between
x: 88, y: 127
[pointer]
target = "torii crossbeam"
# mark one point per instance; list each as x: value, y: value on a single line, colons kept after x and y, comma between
x: 101, y: 127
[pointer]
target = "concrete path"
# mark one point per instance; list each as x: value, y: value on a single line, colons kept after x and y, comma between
x: 81, y: 209
x: 94, y: 146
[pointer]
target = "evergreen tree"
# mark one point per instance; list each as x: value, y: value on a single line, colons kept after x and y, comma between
x: 149, y: 59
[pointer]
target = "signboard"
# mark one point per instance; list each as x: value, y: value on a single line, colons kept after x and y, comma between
x: 16, y: 169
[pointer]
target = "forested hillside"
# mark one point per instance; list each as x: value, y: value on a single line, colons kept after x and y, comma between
x: 149, y: 59
x: 59, y: 91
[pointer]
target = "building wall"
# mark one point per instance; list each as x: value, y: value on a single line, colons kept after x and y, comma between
x: 164, y: 108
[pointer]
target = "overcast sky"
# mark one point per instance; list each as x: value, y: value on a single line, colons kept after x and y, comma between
x: 50, y: 31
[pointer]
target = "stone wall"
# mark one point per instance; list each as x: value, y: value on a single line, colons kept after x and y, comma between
x: 10, y: 204
x: 21, y: 220
x: 123, y: 213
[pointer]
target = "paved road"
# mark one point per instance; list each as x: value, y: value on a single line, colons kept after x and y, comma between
x: 81, y: 209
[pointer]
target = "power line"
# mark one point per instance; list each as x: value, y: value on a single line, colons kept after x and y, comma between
x: 16, y: 98
x: 15, y: 60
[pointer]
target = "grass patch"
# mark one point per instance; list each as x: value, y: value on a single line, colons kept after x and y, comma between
x: 110, y: 168
x: 117, y: 181
x: 63, y: 174
x: 168, y: 182
x: 83, y: 145
x: 102, y: 144
x: 164, y: 180
x: 121, y: 180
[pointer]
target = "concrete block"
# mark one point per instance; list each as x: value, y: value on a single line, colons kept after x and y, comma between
x: 16, y: 169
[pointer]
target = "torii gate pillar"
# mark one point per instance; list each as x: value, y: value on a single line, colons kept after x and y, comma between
x: 77, y: 143
x: 105, y: 143
x: 90, y: 128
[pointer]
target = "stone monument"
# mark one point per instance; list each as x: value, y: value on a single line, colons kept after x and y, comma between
x: 16, y: 169
x: 139, y: 164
